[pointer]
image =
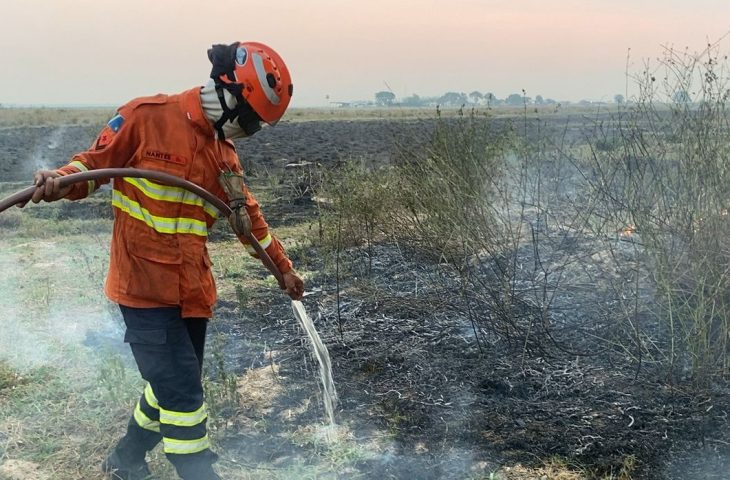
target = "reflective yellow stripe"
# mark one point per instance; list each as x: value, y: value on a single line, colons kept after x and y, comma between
x: 159, y: 224
x: 91, y: 184
x: 183, y: 419
x: 164, y: 193
x: 149, y: 395
x: 264, y: 242
x: 79, y: 165
x: 185, y: 446
x: 144, y: 421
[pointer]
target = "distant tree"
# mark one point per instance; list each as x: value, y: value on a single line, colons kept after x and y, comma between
x: 514, y: 99
x: 619, y: 99
x: 539, y: 100
x: 476, y: 96
x: 412, y: 101
x: 385, y: 98
x: 492, y: 99
x: 453, y: 99
x: 550, y: 101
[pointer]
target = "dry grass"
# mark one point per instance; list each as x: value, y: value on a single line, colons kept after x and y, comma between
x: 258, y: 388
x: 558, y: 469
x: 40, y: 116
x: 70, y: 438
x: 22, y: 470
x: 410, y: 113
x: 551, y: 471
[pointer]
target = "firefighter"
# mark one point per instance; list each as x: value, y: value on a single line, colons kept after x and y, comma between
x: 159, y: 270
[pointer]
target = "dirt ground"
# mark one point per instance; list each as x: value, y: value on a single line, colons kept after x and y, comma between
x: 420, y: 397
x: 25, y: 149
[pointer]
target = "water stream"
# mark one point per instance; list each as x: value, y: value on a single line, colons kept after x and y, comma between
x: 329, y: 394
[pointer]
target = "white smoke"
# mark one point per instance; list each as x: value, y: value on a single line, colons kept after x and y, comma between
x: 50, y: 315
x: 43, y: 155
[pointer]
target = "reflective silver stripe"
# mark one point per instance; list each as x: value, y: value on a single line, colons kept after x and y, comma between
x: 164, y: 193
x: 149, y: 395
x: 264, y: 242
x: 91, y: 184
x: 173, y: 445
x: 144, y: 421
x: 183, y: 419
x: 159, y: 224
x: 258, y: 65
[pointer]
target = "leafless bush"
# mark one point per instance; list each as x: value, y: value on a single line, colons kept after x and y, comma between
x: 668, y: 180
x: 447, y: 191
x: 459, y: 204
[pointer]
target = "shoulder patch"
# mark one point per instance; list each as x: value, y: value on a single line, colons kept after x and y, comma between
x: 116, y: 123
x: 109, y: 132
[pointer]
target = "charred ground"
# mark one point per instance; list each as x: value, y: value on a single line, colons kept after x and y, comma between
x: 430, y: 395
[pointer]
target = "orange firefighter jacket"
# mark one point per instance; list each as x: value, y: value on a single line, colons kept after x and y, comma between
x: 158, y: 248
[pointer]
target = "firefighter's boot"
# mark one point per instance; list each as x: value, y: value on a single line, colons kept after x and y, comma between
x: 119, y: 469
x: 127, y: 461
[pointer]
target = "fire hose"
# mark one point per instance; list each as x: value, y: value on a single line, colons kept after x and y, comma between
x: 104, y: 173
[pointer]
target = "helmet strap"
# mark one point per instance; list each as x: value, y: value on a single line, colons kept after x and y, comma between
x: 248, y: 119
x: 229, y: 114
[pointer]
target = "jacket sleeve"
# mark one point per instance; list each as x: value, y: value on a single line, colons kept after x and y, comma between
x: 260, y: 230
x: 113, y: 148
x: 259, y: 227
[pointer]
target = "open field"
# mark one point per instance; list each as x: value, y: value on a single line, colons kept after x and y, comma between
x: 31, y: 116
x: 438, y: 376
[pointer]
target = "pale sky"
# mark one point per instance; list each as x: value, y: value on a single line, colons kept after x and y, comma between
x: 107, y: 52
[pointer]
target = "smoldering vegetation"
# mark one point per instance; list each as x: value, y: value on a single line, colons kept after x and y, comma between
x: 558, y: 288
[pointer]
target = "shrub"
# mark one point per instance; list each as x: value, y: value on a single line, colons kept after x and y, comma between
x: 452, y: 204
x: 355, y: 201
x: 449, y: 194
x: 670, y: 178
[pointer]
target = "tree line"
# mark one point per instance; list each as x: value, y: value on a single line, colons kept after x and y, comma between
x: 457, y: 99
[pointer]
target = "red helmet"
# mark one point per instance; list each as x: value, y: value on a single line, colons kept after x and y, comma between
x: 257, y: 73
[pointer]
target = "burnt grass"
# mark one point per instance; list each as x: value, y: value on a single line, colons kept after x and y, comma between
x: 407, y: 363
x: 453, y: 399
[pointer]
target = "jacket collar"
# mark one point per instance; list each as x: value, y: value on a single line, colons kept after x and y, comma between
x: 194, y: 111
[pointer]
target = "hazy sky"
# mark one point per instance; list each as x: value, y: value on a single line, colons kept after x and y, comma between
x: 106, y: 52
